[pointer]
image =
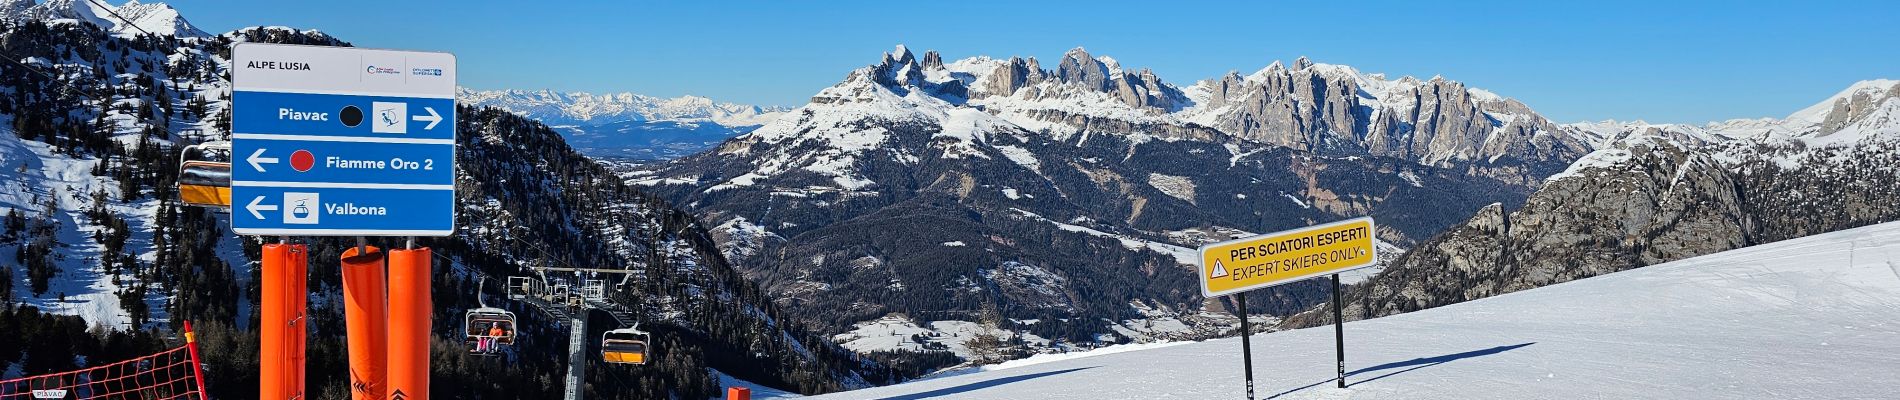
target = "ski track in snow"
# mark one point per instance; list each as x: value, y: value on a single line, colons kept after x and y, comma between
x: 1812, y: 317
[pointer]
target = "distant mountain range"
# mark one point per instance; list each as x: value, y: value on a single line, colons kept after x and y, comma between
x: 1074, y: 197
x: 629, y: 126
x: 919, y: 192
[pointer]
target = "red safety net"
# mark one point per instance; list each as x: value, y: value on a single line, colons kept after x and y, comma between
x: 171, y: 374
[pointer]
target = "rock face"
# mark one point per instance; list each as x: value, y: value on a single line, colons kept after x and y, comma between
x: 1658, y: 194
x: 1331, y: 109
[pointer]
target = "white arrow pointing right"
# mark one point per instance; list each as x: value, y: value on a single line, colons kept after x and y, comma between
x: 432, y: 118
x: 257, y: 160
x: 256, y: 205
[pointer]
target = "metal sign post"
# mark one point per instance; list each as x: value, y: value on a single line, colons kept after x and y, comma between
x: 1339, y: 334
x: 1236, y: 266
x: 1246, y: 345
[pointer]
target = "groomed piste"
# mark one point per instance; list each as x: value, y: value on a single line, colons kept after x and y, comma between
x: 1815, y: 317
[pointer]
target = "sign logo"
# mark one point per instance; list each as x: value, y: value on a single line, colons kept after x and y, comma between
x: 1281, y: 257
x: 301, y: 208
x: 49, y: 393
x: 426, y: 71
x: 391, y: 117
x: 375, y: 70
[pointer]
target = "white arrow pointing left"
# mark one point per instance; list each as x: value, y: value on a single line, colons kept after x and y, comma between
x: 432, y: 118
x: 257, y: 160
x: 256, y: 205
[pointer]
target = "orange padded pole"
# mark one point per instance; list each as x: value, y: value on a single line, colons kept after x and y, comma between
x: 367, y: 321
x: 274, y: 366
x: 409, y: 307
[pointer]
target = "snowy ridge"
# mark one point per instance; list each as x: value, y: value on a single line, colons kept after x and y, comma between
x: 156, y: 18
x: 1803, y: 318
x: 1864, y: 117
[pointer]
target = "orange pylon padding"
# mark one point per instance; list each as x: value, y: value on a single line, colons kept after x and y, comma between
x: 366, y: 319
x: 279, y: 352
x: 738, y: 393
x: 409, y: 307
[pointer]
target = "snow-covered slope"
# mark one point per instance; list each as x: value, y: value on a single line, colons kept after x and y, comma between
x: 154, y: 18
x: 1805, y: 318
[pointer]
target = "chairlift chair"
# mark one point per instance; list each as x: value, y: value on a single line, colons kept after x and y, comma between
x: 624, y: 346
x: 204, y: 175
x: 478, y: 321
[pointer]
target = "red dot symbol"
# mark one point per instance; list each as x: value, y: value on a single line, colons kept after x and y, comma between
x: 302, y: 160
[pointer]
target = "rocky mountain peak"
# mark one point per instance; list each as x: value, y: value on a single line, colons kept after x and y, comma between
x: 1855, y: 103
x: 932, y: 61
x: 1078, y: 67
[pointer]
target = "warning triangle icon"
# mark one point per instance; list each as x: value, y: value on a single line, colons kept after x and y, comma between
x: 1219, y: 270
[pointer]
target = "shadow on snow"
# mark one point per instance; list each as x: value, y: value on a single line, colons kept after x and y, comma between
x: 981, y: 385
x: 1415, y: 363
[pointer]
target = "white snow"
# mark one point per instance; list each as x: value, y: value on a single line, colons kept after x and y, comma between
x: 1412, y: 178
x: 1806, y: 318
x: 1182, y: 255
x: 87, y: 289
x: 1813, y: 115
x: 1179, y: 187
x: 893, y: 332
x: 1021, y: 157
x: 958, y: 243
x: 1295, y: 200
x: 138, y: 19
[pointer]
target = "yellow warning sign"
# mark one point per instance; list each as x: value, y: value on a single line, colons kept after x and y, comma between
x: 1286, y: 256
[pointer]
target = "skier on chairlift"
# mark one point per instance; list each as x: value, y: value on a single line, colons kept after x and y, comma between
x: 495, y: 332
x: 486, y: 343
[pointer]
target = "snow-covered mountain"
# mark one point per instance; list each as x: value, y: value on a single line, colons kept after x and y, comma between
x: 1657, y: 193
x: 581, y: 108
x: 139, y: 18
x: 1804, y: 318
x: 1074, y: 197
x: 628, y: 125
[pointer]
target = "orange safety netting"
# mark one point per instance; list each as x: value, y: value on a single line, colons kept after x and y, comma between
x: 170, y: 374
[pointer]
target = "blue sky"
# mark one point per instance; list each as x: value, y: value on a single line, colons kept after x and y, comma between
x: 1655, y: 60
